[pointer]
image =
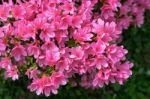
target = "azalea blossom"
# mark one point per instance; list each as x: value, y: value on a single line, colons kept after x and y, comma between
x: 52, y: 41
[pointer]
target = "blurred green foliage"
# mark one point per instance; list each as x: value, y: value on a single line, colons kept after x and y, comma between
x: 136, y: 40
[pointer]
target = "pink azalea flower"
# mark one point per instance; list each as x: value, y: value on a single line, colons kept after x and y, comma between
x: 77, y: 53
x: 101, y: 62
x: 62, y: 64
x: 58, y: 79
x: 124, y: 22
x: 83, y: 35
x: 32, y: 73
x: 85, y: 81
x: 105, y: 31
x: 68, y: 8
x: 115, y: 53
x: 124, y: 10
x: 4, y: 12
x: 33, y: 50
x: 99, y: 47
x: 61, y: 37
x: 139, y: 20
x: 107, y: 11
x: 51, y: 52
x: 52, y: 57
x: 76, y: 21
x: 47, y: 32
x: 17, y: 11
x: 114, y: 3
x: 98, y: 26
x: 11, y: 72
x: 65, y: 22
x: 124, y: 72
x: 18, y: 52
x: 47, y: 85
x: 29, y: 31
x: 102, y: 78
x: 39, y: 22
x: 5, y: 63
x: 41, y: 60
x: 42, y: 85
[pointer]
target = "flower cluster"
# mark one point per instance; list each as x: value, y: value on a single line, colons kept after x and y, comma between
x: 54, y: 42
